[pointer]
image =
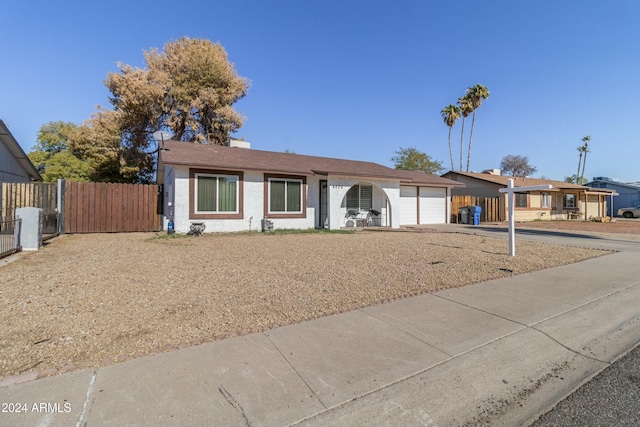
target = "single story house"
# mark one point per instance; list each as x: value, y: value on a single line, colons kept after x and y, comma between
x: 563, y: 201
x: 15, y: 166
x: 628, y: 193
x: 231, y: 188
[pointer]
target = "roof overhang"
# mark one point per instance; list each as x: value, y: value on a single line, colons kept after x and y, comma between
x: 601, y: 193
x: 432, y: 184
x: 186, y: 155
x: 232, y: 167
x: 18, y: 153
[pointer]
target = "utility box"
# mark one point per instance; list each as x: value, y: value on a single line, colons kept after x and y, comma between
x: 31, y: 229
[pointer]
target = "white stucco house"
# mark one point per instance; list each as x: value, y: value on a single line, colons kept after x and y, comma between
x: 233, y: 189
x: 15, y: 166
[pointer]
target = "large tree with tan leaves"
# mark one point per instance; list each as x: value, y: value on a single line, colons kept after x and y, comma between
x: 187, y: 89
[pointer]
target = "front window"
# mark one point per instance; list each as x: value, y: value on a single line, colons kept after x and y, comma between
x: 546, y: 200
x: 570, y: 201
x: 216, y: 193
x: 360, y: 198
x: 285, y: 195
x: 521, y: 200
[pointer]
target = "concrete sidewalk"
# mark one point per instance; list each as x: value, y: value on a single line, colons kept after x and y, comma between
x: 497, y: 353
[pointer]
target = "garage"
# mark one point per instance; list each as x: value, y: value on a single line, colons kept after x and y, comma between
x: 433, y: 205
x: 422, y: 205
x: 408, y: 205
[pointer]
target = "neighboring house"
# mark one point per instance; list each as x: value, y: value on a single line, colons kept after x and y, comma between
x: 15, y: 166
x: 234, y: 189
x: 628, y: 193
x: 563, y: 201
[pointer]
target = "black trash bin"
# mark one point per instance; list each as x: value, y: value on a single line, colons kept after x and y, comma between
x: 464, y: 214
x: 474, y: 214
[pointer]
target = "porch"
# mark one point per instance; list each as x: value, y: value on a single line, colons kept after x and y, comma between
x: 356, y: 204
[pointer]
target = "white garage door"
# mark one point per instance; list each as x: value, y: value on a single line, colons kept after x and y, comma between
x: 408, y: 205
x: 433, y: 205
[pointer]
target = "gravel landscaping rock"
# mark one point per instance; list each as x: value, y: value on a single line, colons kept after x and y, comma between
x: 96, y: 299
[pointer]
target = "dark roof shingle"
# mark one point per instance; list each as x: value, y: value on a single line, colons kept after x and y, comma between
x: 233, y: 158
x: 517, y: 182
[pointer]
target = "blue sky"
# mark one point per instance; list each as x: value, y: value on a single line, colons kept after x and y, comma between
x: 359, y: 79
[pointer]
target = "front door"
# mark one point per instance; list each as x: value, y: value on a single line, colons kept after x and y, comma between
x: 323, y: 205
x: 557, y: 206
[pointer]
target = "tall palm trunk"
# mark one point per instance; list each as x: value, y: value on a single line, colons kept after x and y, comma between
x: 461, y: 139
x: 450, y: 149
x: 579, y: 164
x: 584, y: 162
x: 473, y: 120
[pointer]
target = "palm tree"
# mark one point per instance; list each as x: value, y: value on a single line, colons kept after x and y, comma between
x: 585, y: 150
x: 476, y: 95
x: 465, y: 109
x: 580, y: 150
x: 450, y: 114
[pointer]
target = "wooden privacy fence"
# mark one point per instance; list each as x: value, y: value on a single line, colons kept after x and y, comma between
x: 42, y: 195
x: 23, y: 194
x: 91, y: 207
x: 492, y: 207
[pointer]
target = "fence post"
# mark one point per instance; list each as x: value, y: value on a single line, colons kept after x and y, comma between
x: 17, y: 232
x: 60, y: 205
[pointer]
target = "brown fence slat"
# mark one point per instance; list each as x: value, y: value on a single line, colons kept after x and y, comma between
x: 113, y: 208
x: 109, y: 207
x: 491, y: 207
x: 16, y: 195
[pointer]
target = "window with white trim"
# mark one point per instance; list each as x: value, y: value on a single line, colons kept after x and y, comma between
x: 216, y: 193
x: 360, y: 198
x: 285, y: 195
x: 545, y: 200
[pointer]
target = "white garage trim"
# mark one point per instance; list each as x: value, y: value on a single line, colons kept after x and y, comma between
x: 423, y: 205
x: 408, y: 205
x: 432, y: 205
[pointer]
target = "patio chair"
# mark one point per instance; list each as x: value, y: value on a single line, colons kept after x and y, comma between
x: 374, y: 218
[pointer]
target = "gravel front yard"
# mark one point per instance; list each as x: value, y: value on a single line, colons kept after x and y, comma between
x: 93, y: 300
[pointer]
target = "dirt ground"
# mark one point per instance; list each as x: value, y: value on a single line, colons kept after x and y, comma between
x: 96, y: 299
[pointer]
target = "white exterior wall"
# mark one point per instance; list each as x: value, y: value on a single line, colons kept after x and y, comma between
x: 180, y: 197
x: 386, y: 199
x: 10, y: 169
x: 177, y: 192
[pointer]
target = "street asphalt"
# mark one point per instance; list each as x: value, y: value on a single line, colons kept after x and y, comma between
x: 502, y: 352
x: 611, y: 399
